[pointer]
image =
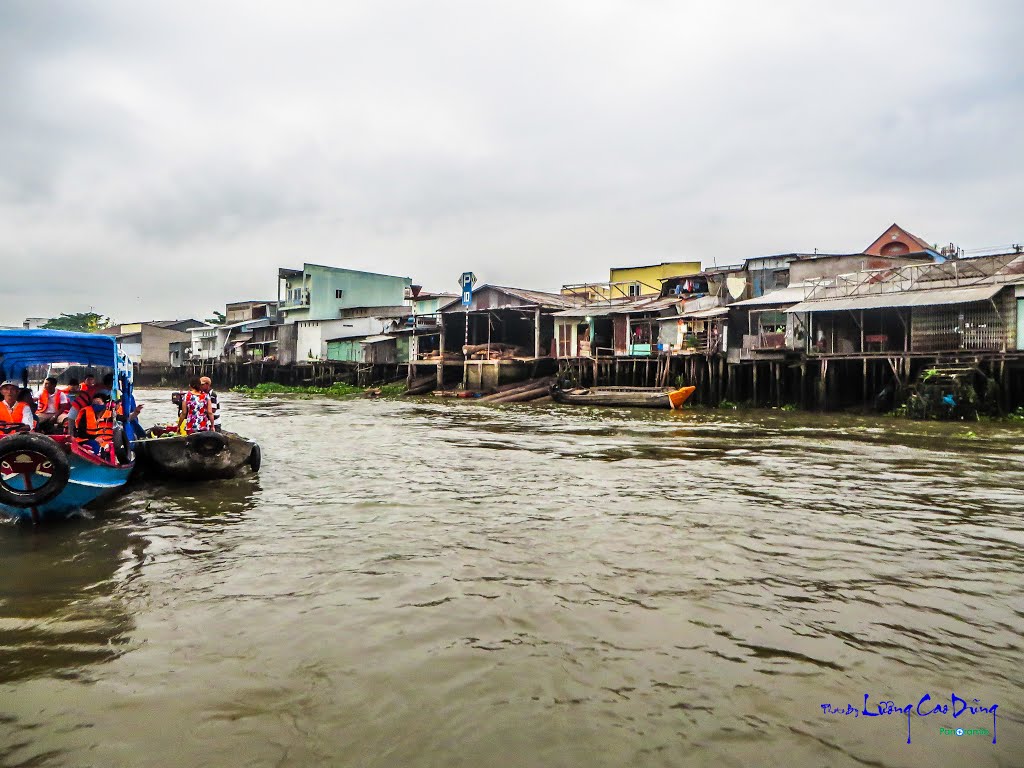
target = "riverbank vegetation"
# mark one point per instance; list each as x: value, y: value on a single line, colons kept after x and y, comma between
x: 338, y: 390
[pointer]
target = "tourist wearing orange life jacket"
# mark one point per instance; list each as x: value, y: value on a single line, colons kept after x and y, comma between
x: 81, y: 399
x: 94, y: 425
x: 52, y: 406
x: 15, y: 416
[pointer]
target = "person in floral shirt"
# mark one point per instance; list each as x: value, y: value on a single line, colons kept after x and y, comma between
x: 196, y: 409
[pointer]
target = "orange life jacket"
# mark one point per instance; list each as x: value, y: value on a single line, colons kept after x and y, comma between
x: 11, y: 418
x: 82, y: 400
x: 99, y: 429
x: 44, y: 401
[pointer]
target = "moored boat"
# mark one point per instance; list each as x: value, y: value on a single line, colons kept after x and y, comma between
x: 199, y: 456
x: 54, y: 476
x: 624, y: 397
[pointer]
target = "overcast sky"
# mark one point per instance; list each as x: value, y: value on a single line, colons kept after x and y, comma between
x: 160, y: 159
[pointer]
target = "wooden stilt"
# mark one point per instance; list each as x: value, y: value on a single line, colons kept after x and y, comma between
x: 823, y: 386
x: 864, y: 380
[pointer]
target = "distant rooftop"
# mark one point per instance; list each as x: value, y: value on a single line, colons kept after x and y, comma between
x: 285, y: 272
x: 661, y: 264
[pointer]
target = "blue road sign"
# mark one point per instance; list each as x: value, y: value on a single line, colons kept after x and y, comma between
x: 466, y: 282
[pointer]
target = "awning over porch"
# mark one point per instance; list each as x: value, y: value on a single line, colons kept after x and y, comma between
x: 594, y: 310
x: 705, y: 314
x: 924, y: 298
x: 379, y: 339
x: 789, y: 295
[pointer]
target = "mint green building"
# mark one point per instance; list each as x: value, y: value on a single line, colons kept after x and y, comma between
x: 318, y: 292
x: 324, y: 303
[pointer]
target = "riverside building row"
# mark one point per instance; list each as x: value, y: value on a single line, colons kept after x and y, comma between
x: 809, y: 329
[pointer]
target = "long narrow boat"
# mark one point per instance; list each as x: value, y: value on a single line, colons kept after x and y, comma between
x: 624, y: 397
x: 51, y: 476
x: 199, y: 456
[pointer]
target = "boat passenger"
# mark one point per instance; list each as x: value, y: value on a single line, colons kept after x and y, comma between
x: 207, y: 383
x: 15, y: 416
x: 25, y: 396
x: 107, y: 387
x: 196, y: 409
x: 52, y: 407
x: 82, y: 398
x: 94, y: 426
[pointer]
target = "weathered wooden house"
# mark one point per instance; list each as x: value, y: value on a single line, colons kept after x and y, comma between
x: 769, y: 331
x: 503, y: 335
x: 379, y: 349
x: 588, y: 331
x: 960, y: 305
x: 701, y: 327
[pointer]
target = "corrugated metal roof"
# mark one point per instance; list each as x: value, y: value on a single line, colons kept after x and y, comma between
x: 629, y: 307
x: 702, y: 314
x: 790, y: 295
x: 653, y: 305
x: 594, y: 310
x: 376, y: 339
x: 922, y: 298
x: 542, y: 298
x: 528, y: 297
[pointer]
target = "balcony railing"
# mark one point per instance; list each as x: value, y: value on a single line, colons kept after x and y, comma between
x: 295, y: 302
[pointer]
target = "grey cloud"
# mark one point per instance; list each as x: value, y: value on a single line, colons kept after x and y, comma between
x: 535, y: 144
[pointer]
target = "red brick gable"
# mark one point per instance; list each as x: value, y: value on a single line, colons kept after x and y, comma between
x: 896, y: 241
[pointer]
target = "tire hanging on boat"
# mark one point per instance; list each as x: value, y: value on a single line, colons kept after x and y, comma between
x: 122, y: 450
x: 32, y: 457
x: 206, y: 443
x: 255, y: 458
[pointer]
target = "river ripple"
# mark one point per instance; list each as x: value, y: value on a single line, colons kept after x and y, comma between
x: 434, y: 584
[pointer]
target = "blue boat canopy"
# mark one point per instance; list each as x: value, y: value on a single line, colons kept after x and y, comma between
x: 19, y: 349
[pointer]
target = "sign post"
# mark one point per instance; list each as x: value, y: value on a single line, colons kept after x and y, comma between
x: 466, y: 283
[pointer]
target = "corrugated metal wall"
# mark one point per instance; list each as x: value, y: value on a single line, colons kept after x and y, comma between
x: 975, y: 326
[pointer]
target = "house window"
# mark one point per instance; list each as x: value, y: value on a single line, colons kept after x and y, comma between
x: 338, y: 293
x: 634, y: 290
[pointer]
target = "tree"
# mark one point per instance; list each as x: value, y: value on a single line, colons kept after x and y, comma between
x: 83, y: 322
x: 217, y: 319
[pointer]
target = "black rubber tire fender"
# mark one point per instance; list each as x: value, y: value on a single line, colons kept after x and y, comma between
x: 255, y: 458
x: 206, y: 443
x: 49, y: 457
x: 122, y: 450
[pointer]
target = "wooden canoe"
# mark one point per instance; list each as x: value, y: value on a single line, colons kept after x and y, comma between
x: 200, y: 456
x: 624, y: 397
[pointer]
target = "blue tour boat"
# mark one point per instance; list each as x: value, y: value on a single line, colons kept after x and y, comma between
x: 51, y: 476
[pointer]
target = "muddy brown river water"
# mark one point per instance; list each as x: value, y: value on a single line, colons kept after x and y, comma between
x: 443, y: 584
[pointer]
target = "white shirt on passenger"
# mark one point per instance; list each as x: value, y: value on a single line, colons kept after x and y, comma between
x: 26, y: 415
x: 216, y: 408
x: 57, y: 399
